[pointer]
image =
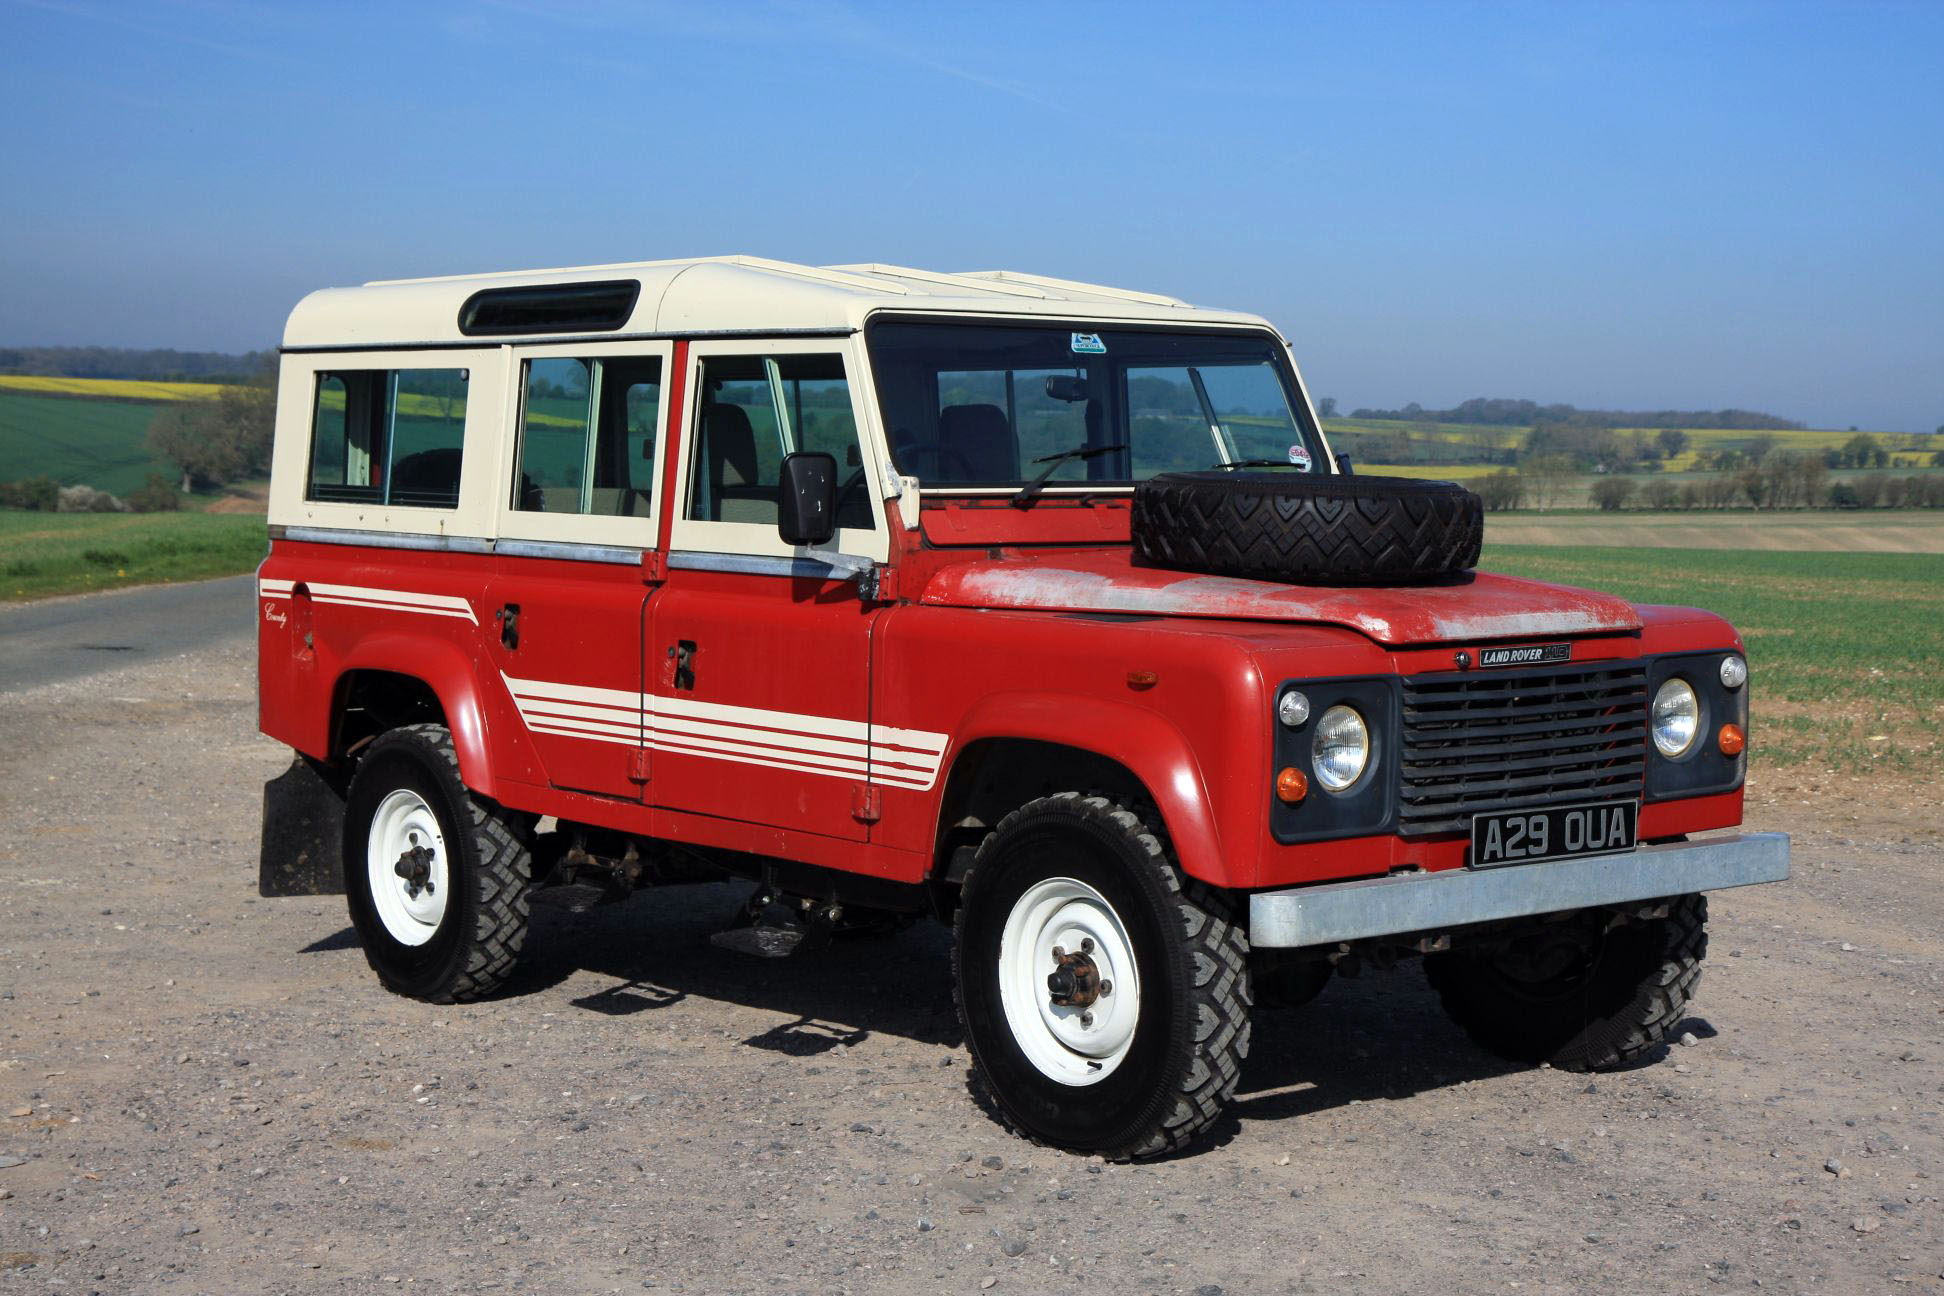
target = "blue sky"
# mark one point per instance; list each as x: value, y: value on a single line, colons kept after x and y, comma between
x: 1612, y: 205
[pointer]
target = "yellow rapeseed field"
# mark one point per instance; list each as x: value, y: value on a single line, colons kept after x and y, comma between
x: 110, y: 388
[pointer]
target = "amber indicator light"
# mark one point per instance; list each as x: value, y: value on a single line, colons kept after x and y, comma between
x: 1732, y: 740
x: 1292, y: 785
x: 1142, y: 679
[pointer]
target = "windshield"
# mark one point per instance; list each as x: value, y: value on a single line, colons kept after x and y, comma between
x: 997, y: 405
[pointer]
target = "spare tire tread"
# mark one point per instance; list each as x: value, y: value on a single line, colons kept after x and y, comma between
x: 1308, y: 529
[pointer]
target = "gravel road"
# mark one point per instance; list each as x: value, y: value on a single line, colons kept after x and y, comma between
x: 202, y: 1091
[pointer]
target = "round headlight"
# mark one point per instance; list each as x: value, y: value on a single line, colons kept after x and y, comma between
x: 1677, y: 717
x: 1341, y: 748
x: 1293, y: 709
x: 1734, y: 672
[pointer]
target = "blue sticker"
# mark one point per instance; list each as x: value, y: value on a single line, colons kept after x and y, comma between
x: 1088, y: 344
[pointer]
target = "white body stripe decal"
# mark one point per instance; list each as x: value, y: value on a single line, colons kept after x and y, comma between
x: 390, y: 600
x: 788, y: 740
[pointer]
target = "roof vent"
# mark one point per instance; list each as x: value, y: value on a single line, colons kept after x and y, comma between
x: 550, y: 308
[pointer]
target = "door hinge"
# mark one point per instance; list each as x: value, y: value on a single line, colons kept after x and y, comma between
x: 867, y: 803
x: 653, y: 570
x: 878, y: 583
x: 638, y: 765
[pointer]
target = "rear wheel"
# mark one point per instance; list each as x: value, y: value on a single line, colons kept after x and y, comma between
x: 436, y: 877
x: 1105, y: 998
x: 1579, y: 994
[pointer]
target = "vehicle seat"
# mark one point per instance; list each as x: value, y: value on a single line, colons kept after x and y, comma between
x: 735, y: 493
x: 979, y: 436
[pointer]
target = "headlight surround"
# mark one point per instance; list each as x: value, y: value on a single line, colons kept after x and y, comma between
x: 1676, y: 718
x: 1340, y: 749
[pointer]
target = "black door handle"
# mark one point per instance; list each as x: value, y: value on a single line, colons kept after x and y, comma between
x: 509, y: 624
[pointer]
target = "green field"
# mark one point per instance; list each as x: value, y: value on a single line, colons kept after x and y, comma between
x: 1845, y: 650
x: 100, y: 442
x: 71, y: 553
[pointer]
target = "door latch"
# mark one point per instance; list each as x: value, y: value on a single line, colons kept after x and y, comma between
x: 683, y: 655
x: 509, y: 624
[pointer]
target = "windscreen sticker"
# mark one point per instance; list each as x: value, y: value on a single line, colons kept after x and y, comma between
x: 1300, y: 456
x: 1088, y: 344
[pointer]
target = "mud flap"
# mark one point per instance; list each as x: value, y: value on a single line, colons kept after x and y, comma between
x: 303, y: 832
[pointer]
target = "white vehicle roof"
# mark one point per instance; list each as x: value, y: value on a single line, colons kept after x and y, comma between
x: 729, y: 294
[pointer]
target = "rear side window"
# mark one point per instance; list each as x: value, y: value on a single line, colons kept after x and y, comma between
x: 587, y: 435
x: 391, y: 437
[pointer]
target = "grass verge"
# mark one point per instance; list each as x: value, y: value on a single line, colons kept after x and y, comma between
x: 72, y: 553
x: 1845, y: 650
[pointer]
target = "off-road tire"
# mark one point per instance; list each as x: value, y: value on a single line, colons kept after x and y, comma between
x: 479, y: 939
x: 1304, y: 528
x: 1193, y: 1029
x: 1617, y: 1008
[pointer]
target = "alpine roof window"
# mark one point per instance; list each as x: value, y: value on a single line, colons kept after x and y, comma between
x: 550, y: 308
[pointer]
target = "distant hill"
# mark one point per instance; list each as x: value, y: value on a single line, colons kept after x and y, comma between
x: 1498, y: 411
x: 118, y: 362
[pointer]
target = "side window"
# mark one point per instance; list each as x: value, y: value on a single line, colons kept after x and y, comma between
x: 754, y: 411
x: 391, y: 437
x: 587, y: 436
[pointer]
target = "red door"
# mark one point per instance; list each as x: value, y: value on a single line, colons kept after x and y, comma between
x: 759, y: 697
x: 759, y: 652
x: 565, y: 637
x: 578, y: 513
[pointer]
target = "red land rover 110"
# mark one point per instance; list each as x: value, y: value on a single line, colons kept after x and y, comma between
x: 1039, y: 607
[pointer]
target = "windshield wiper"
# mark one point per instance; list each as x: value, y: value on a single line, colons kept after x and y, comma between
x: 1030, y: 491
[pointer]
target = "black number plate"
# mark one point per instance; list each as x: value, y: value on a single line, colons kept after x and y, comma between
x: 1523, y: 836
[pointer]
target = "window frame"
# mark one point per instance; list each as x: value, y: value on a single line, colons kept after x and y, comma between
x: 701, y: 535
x: 1288, y: 373
x: 292, y: 451
x: 603, y: 529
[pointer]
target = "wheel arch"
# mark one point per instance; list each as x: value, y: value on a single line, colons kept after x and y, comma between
x: 389, y: 681
x: 1017, y: 747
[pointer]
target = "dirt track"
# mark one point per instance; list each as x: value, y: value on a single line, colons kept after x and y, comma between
x: 221, y: 1099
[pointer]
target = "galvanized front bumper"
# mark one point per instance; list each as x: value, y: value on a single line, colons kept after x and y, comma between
x: 1430, y: 902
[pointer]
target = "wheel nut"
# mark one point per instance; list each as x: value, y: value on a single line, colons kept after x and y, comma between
x: 1059, y: 951
x: 1106, y: 987
x: 1086, y: 1019
x: 1086, y: 944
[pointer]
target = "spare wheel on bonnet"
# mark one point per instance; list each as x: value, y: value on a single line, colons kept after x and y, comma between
x: 1308, y: 529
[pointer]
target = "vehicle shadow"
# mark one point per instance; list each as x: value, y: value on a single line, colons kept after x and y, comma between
x: 656, y: 947
x: 1376, y: 1038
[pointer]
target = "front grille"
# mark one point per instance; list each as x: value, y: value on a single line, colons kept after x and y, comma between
x: 1479, y: 742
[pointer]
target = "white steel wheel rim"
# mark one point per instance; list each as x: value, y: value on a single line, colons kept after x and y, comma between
x: 1064, y: 1042
x: 404, y: 822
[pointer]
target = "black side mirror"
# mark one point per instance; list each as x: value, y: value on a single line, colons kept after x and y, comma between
x: 806, y: 503
x: 1344, y: 466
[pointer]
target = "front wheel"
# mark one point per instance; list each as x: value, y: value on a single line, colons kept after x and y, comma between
x: 435, y: 876
x: 1580, y: 994
x: 1105, y: 998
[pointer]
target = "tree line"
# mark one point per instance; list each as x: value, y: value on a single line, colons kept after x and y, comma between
x: 153, y: 365
x: 1504, y: 412
x: 1778, y: 481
